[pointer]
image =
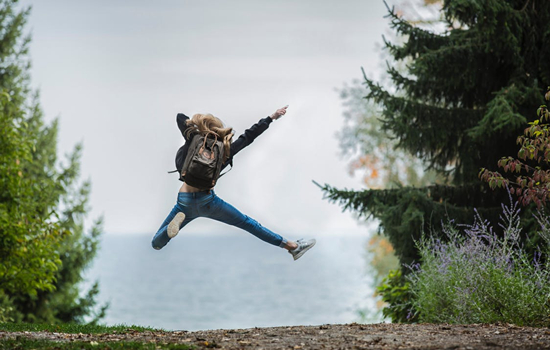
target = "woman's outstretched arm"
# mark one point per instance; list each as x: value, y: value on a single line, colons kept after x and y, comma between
x: 254, y: 131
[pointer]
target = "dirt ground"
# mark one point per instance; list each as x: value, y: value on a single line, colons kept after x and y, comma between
x: 347, y: 336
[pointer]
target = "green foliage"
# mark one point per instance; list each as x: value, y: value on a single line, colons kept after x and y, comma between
x: 395, y: 290
x: 480, y: 277
x: 468, y: 88
x: 404, y: 213
x: 532, y: 183
x: 43, y: 249
x: 28, y: 240
x: 74, y: 328
x: 464, y: 96
x: 458, y: 106
x: 6, y: 308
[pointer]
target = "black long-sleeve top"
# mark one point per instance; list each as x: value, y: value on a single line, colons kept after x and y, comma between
x: 236, y: 146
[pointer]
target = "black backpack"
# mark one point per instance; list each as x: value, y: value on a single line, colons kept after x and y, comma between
x: 203, y: 164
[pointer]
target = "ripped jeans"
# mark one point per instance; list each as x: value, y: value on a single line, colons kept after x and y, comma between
x: 207, y: 204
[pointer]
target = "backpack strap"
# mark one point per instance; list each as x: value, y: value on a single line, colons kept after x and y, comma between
x: 231, y: 165
x: 204, y: 144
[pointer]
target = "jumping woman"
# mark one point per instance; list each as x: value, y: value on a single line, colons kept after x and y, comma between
x: 194, y: 202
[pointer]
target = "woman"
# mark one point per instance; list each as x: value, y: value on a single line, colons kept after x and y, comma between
x: 193, y: 202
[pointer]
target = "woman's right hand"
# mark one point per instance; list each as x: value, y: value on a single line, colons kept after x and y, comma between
x: 279, y: 113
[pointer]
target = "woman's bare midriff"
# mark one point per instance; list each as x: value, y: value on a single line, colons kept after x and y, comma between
x: 186, y: 188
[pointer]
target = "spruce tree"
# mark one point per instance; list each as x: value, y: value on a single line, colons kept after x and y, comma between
x: 465, y: 96
x: 44, y: 249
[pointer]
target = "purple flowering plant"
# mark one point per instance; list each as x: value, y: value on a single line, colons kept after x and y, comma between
x: 477, y: 276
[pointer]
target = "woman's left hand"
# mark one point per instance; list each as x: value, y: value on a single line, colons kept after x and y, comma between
x: 279, y: 113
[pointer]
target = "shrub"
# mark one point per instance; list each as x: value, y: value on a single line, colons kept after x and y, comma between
x: 478, y: 276
x: 532, y: 182
x: 395, y: 290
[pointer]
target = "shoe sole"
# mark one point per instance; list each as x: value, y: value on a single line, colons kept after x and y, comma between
x: 174, y: 225
x: 299, y: 255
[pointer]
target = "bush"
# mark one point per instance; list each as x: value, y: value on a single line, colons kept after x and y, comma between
x: 481, y: 277
x: 395, y: 290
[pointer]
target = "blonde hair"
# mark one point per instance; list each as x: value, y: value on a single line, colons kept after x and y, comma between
x: 207, y: 123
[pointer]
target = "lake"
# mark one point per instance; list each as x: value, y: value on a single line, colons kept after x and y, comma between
x: 231, y: 280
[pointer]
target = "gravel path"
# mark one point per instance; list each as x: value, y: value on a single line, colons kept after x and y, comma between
x: 347, y: 336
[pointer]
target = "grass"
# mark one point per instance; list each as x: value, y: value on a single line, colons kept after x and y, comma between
x: 23, y: 344
x: 71, y: 328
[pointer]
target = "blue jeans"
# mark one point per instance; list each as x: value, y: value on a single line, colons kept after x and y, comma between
x: 207, y: 204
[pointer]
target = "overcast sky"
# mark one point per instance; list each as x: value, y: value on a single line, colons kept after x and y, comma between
x: 116, y: 73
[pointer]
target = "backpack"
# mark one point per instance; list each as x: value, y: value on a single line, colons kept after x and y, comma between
x: 204, y: 161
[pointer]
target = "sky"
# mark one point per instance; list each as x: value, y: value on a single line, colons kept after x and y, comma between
x: 116, y: 73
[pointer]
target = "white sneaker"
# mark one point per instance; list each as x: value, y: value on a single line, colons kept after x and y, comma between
x: 174, y: 225
x: 303, y: 246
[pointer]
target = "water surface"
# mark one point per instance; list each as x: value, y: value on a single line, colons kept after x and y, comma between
x: 230, y: 280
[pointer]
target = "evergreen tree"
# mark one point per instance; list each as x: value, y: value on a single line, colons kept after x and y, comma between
x: 42, y: 203
x: 465, y: 96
